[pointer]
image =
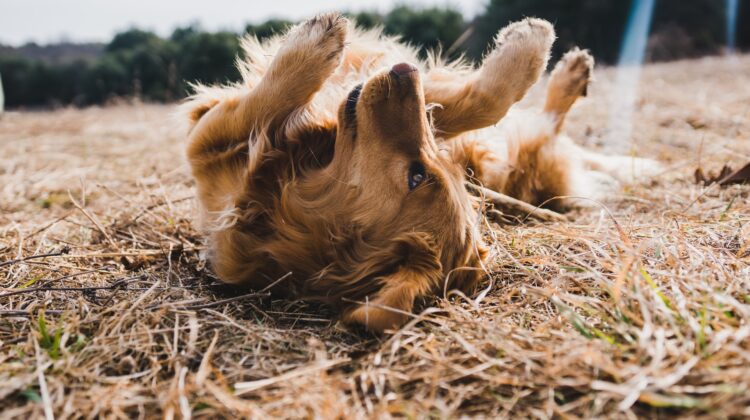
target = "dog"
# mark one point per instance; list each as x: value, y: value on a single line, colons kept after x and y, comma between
x: 338, y: 164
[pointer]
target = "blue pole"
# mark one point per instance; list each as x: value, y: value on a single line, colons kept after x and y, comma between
x: 625, y: 92
x: 732, y: 6
x: 2, y: 96
x: 633, y: 50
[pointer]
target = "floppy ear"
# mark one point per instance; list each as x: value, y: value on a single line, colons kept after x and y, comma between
x: 418, y: 274
x: 392, y: 304
x: 466, y: 278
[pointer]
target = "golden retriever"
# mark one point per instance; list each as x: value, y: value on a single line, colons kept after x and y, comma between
x: 341, y: 158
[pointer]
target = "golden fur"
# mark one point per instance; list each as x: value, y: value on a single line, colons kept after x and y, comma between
x: 299, y: 172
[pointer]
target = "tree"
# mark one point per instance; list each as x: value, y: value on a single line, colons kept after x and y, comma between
x: 140, y: 63
x: 426, y: 28
x: 2, y: 96
x: 268, y: 28
x: 680, y: 28
x: 743, y: 25
x: 107, y: 78
x: 15, y: 71
x: 131, y: 39
x: 687, y: 29
x: 367, y: 20
x: 594, y: 24
x: 207, y: 57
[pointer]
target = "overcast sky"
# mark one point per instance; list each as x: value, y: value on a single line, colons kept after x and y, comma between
x: 45, y: 21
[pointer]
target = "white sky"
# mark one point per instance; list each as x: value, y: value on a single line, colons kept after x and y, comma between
x: 45, y: 21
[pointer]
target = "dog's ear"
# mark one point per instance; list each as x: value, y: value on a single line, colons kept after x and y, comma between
x: 420, y: 274
x: 393, y: 304
x: 467, y: 276
x: 417, y: 275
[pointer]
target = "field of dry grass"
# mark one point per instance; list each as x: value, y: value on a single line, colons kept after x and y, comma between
x: 639, y: 306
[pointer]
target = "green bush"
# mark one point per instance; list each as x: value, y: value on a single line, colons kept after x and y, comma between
x: 427, y: 28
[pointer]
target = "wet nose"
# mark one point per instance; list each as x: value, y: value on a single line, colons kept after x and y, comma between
x: 402, y: 69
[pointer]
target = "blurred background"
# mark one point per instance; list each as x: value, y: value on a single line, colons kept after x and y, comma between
x: 85, y: 52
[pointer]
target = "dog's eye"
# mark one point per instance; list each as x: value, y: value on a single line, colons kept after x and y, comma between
x: 417, y: 175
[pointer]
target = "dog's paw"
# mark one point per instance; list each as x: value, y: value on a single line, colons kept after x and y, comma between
x: 531, y: 35
x: 320, y: 39
x: 573, y: 73
x: 520, y: 56
x: 375, y: 319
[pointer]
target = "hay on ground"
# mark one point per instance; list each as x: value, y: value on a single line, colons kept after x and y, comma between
x: 637, y: 306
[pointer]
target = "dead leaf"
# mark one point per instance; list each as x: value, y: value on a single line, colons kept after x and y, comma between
x: 725, y: 177
x: 739, y: 177
x: 696, y: 123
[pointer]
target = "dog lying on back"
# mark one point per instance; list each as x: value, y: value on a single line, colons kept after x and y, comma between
x: 341, y: 158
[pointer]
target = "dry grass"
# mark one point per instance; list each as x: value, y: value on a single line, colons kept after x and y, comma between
x: 641, y: 307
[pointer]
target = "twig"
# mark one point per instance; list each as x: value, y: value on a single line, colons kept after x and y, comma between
x: 50, y: 224
x: 143, y: 209
x: 112, y: 286
x: 245, y: 387
x: 514, y: 206
x: 153, y: 206
x: 228, y: 300
x: 136, y: 253
x: 502, y: 218
x: 80, y: 273
x: 93, y: 220
x: 43, y: 390
x: 28, y: 313
x: 279, y: 280
x: 34, y: 257
x: 262, y: 293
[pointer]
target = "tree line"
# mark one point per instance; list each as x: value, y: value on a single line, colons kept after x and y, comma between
x: 139, y: 63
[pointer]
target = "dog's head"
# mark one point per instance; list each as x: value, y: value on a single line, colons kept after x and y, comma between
x: 404, y: 191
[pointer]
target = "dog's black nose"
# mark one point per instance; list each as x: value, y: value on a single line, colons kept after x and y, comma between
x: 401, y: 69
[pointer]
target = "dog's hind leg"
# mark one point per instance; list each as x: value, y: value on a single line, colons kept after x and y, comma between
x: 568, y: 81
x: 542, y: 164
x: 519, y: 58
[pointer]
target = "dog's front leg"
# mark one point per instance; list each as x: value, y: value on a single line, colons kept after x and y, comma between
x: 310, y: 53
